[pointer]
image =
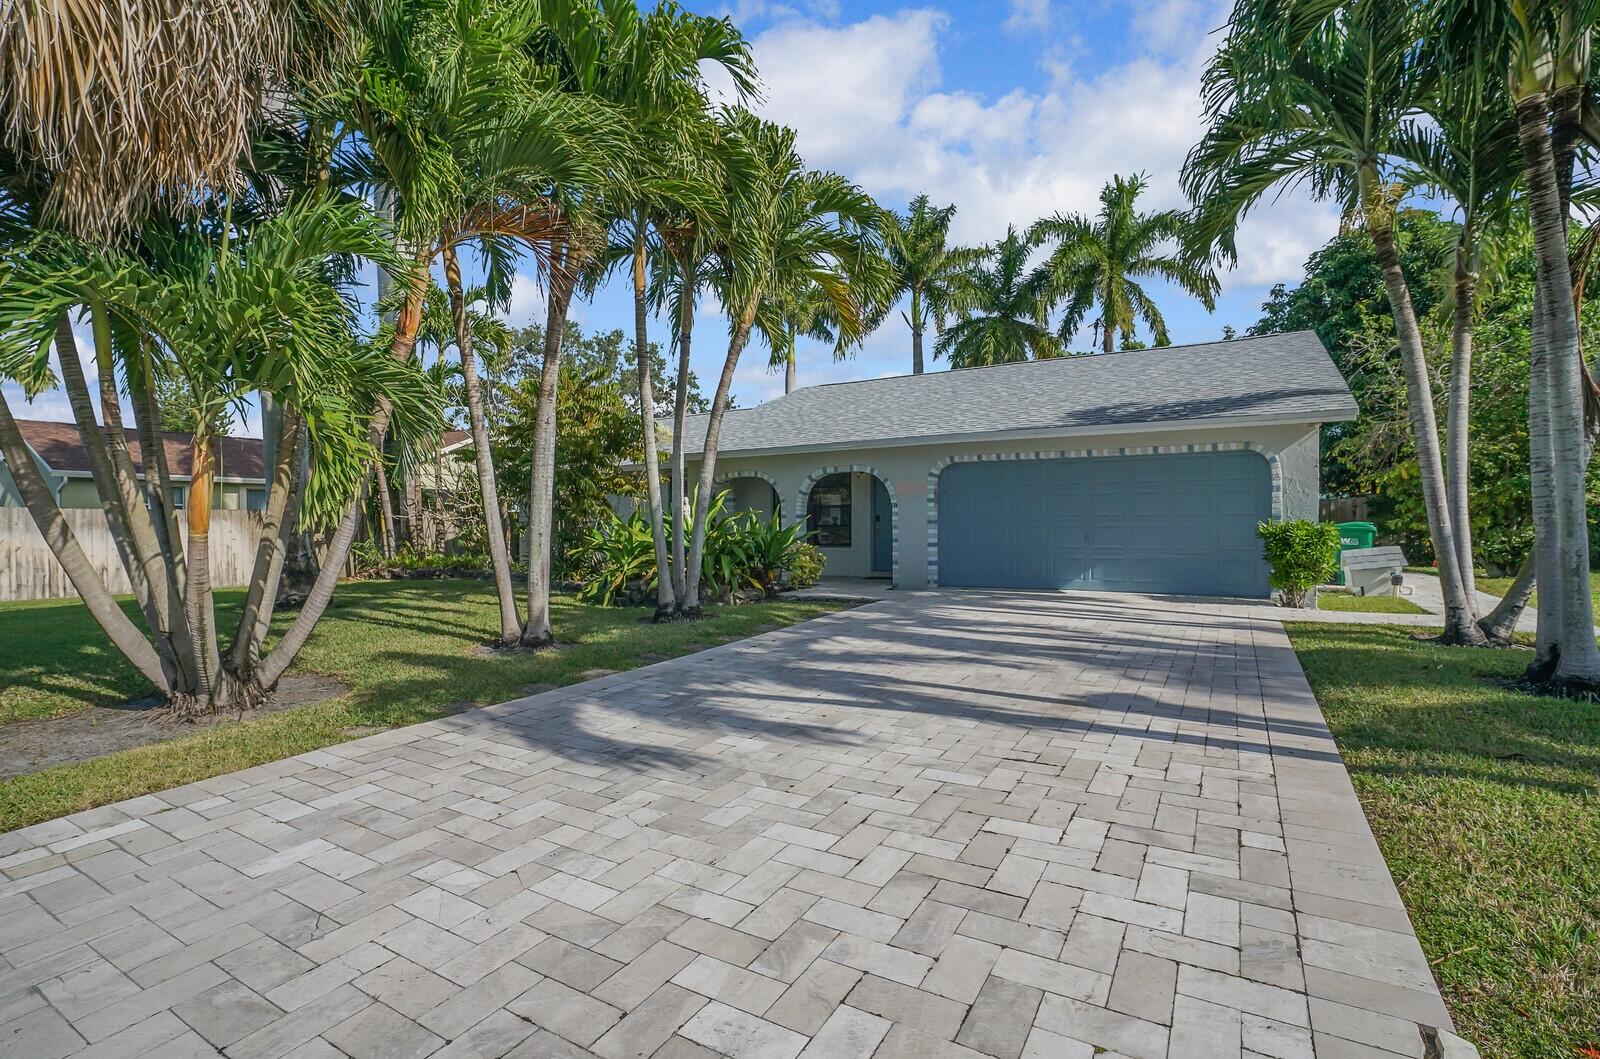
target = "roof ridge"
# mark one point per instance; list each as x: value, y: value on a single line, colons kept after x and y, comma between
x: 1067, y: 359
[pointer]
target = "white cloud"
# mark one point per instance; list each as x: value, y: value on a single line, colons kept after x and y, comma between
x: 1027, y: 16
x: 865, y: 99
x: 527, y: 304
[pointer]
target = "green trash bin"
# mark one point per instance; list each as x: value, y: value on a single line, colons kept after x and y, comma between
x: 1355, y: 535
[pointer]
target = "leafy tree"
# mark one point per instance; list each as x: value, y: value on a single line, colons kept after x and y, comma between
x: 1100, y: 260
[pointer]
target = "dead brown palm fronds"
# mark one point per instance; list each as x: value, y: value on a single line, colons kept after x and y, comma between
x: 118, y: 104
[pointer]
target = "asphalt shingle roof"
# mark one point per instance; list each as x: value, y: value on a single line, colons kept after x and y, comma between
x: 61, y: 449
x: 1288, y: 376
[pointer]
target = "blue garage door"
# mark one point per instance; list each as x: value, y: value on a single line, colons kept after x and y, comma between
x: 1174, y: 523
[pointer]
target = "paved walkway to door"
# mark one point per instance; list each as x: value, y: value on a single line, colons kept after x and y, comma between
x: 949, y: 824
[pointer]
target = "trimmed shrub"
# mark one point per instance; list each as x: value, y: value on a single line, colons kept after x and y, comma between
x: 1301, y: 555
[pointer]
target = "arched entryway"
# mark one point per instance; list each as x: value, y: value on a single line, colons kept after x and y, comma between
x: 853, y: 516
x: 750, y: 491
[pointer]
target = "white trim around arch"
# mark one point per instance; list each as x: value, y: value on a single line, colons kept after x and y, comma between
x: 804, y: 496
x: 1273, y: 465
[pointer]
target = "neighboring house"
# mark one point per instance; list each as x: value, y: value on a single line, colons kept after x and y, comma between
x: 1145, y: 470
x: 60, y: 454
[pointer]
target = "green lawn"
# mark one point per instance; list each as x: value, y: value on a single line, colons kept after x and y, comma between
x: 405, y: 648
x: 1367, y: 604
x: 1486, y: 803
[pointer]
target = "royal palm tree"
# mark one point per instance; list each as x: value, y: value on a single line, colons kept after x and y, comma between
x: 791, y: 316
x: 782, y: 228
x: 1300, y: 99
x: 926, y: 268
x: 1099, y: 261
x: 1002, y: 312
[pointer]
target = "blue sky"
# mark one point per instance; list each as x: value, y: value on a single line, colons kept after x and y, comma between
x: 1010, y: 109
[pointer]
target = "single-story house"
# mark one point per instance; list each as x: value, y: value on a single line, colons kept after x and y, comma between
x: 60, y: 454
x: 1145, y: 470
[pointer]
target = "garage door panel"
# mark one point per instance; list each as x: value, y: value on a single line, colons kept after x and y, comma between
x: 1180, y: 523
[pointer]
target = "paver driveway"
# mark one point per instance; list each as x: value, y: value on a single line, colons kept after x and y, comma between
x: 963, y: 824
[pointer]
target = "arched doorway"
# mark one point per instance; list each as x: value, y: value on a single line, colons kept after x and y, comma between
x: 852, y: 515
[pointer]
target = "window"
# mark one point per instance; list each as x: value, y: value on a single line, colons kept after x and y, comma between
x: 255, y: 499
x: 180, y: 493
x: 828, y: 512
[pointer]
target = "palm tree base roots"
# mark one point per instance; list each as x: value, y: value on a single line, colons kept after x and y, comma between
x: 1541, y: 678
x: 679, y: 614
x: 536, y: 643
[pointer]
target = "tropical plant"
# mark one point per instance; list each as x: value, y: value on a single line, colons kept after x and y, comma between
x: 227, y: 316
x: 650, y: 70
x: 1002, y: 312
x: 1099, y: 261
x: 773, y: 548
x: 1319, y: 95
x: 617, y: 554
x: 926, y: 269
x: 806, y: 566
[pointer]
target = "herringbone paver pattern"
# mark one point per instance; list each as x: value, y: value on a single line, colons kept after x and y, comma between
x: 953, y: 824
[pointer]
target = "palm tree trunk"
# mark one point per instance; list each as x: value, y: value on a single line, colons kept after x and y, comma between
x: 788, y: 369
x: 1460, y: 609
x: 57, y: 533
x: 386, y: 543
x: 1577, y: 658
x: 680, y: 414
x: 666, y: 600
x: 708, y: 457
x: 1457, y: 418
x: 541, y: 492
x: 198, y: 605
x: 270, y: 547
x: 440, y: 538
x: 119, y: 518
x: 499, y: 559
x: 915, y: 319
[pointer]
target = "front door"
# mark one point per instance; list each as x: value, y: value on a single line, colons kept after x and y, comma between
x: 882, y: 529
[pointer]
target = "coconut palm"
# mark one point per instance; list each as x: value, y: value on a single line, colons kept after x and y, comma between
x: 1002, y: 312
x: 225, y: 317
x: 781, y: 228
x: 1099, y: 261
x: 1302, y: 99
x: 926, y: 268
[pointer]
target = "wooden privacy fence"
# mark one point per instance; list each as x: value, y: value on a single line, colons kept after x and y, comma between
x: 29, y: 571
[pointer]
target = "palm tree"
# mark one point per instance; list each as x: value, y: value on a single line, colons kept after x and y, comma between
x: 466, y: 130
x: 1099, y: 261
x: 226, y: 313
x: 787, y: 318
x: 124, y: 106
x: 1324, y: 106
x: 926, y: 268
x: 781, y: 228
x: 1002, y: 313
x: 654, y: 73
x: 1469, y: 154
